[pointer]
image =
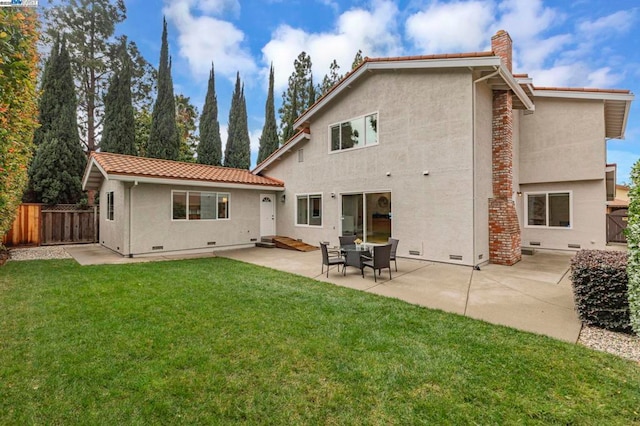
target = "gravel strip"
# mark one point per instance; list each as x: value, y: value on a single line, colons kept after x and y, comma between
x: 36, y: 253
x: 620, y: 344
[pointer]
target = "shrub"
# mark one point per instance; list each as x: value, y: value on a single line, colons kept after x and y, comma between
x: 633, y: 243
x: 600, y: 288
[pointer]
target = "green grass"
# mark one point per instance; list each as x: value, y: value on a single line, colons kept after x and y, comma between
x: 217, y: 341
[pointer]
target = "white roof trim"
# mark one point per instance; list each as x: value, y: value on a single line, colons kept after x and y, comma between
x: 277, y: 154
x: 88, y: 169
x: 185, y: 182
x: 507, y: 76
x: 572, y: 94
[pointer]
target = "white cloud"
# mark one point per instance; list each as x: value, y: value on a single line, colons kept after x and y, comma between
x: 451, y: 27
x: 604, y: 77
x: 254, y: 137
x: 204, y: 39
x: 373, y: 30
x: 525, y: 20
x: 618, y: 22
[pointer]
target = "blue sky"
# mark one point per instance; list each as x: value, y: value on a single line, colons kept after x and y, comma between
x: 558, y: 43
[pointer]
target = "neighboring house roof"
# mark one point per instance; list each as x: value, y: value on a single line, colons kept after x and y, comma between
x: 616, y: 102
x: 492, y: 65
x: 618, y: 203
x: 129, y: 168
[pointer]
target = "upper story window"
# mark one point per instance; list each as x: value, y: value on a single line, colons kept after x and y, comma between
x: 196, y: 205
x: 110, y: 208
x: 548, y: 209
x: 355, y: 133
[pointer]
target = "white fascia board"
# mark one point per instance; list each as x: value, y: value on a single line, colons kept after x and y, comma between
x: 508, y: 78
x: 626, y: 118
x: 483, y: 61
x: 570, y: 94
x: 280, y: 151
x: 88, y: 169
x: 181, y: 182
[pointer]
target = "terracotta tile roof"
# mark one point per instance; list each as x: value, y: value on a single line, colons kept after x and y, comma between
x: 127, y: 165
x: 618, y: 203
x: 428, y: 57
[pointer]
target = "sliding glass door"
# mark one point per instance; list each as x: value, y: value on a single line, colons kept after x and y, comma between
x: 367, y: 216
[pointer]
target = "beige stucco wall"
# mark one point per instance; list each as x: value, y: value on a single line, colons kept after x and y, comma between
x: 483, y: 170
x: 562, y: 141
x: 112, y: 233
x: 152, y: 225
x: 424, y: 124
x: 589, y: 226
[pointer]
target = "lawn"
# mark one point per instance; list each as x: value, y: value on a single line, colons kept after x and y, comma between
x: 217, y: 341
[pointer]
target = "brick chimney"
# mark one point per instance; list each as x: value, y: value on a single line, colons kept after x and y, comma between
x: 504, y: 229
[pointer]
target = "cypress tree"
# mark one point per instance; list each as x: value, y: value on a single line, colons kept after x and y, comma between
x: 119, y: 120
x: 210, y: 146
x: 164, y: 141
x: 269, y: 141
x: 56, y: 171
x: 238, y: 150
x: 48, y: 105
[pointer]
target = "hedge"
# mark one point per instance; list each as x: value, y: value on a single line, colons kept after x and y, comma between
x: 633, y: 243
x: 599, y: 280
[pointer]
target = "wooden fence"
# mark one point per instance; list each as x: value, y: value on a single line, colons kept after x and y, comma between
x: 38, y: 224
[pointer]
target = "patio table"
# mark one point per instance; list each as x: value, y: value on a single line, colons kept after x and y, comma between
x: 353, y: 253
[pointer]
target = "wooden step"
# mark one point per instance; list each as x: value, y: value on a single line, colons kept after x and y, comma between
x: 291, y: 244
x: 265, y: 244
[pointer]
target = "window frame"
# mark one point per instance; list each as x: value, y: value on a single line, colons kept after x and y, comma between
x: 362, y: 117
x: 546, y: 194
x: 310, y: 212
x: 215, y: 194
x: 111, y: 215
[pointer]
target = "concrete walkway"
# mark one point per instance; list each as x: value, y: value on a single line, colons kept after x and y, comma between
x: 534, y: 295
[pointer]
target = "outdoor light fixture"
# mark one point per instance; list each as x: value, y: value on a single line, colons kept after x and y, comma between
x: 519, y: 194
x: 333, y: 195
x: 283, y: 198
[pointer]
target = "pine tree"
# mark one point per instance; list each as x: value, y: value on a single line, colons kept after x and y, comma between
x: 210, y: 146
x: 238, y: 150
x: 163, y: 138
x: 299, y: 96
x: 357, y: 60
x: 330, y: 79
x: 186, y: 115
x: 56, y: 171
x: 119, y: 120
x: 269, y: 141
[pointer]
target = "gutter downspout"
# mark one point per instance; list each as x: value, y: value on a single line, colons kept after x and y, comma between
x: 135, y: 183
x: 473, y: 156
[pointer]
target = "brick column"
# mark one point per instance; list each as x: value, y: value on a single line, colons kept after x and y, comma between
x: 504, y: 229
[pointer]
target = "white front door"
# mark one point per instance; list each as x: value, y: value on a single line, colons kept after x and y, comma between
x: 267, y: 215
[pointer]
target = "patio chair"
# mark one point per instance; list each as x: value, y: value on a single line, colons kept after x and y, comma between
x: 347, y: 240
x: 381, y: 260
x: 331, y: 260
x: 394, y: 247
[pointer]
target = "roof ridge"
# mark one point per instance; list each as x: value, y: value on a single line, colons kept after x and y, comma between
x: 139, y: 157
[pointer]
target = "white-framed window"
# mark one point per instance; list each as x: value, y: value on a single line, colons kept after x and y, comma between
x: 110, y: 208
x: 309, y: 210
x: 199, y: 205
x: 355, y: 133
x: 551, y: 209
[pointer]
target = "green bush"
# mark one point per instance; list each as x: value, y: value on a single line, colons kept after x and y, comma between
x: 633, y: 243
x: 599, y: 280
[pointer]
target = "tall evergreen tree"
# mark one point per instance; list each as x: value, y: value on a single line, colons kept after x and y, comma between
x: 89, y: 27
x: 330, y: 79
x: 56, y: 171
x: 238, y: 150
x: 210, y: 146
x: 299, y: 96
x: 186, y: 116
x: 357, y: 60
x: 164, y: 140
x: 119, y: 121
x: 48, y: 103
x: 269, y: 141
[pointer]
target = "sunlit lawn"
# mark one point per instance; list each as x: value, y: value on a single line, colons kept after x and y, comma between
x: 219, y: 341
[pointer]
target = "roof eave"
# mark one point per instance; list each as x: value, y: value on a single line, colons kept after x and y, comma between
x: 88, y: 171
x: 185, y: 182
x: 513, y: 84
x: 278, y: 153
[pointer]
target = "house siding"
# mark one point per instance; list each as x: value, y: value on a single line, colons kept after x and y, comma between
x: 424, y: 124
x: 112, y: 232
x: 153, y: 227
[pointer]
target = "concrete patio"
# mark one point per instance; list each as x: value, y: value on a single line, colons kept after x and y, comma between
x: 534, y: 295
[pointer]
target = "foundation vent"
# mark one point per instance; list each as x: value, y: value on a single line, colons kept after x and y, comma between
x: 530, y: 251
x: 211, y: 243
x: 534, y: 243
x: 414, y: 252
x: 253, y: 240
x: 157, y: 247
x: 455, y: 257
x: 574, y: 246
